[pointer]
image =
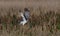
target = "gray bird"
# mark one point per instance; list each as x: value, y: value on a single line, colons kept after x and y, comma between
x: 26, y: 13
x: 25, y: 16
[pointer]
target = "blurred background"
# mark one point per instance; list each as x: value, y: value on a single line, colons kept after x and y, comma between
x: 44, y: 18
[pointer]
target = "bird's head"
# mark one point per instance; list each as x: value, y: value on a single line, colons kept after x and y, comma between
x: 26, y: 9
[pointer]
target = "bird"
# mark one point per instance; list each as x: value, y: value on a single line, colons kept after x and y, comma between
x: 24, y: 21
x: 25, y: 16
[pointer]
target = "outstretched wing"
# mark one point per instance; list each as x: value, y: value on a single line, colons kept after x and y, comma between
x: 26, y: 14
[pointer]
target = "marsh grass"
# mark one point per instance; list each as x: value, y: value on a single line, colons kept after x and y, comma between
x: 40, y: 23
